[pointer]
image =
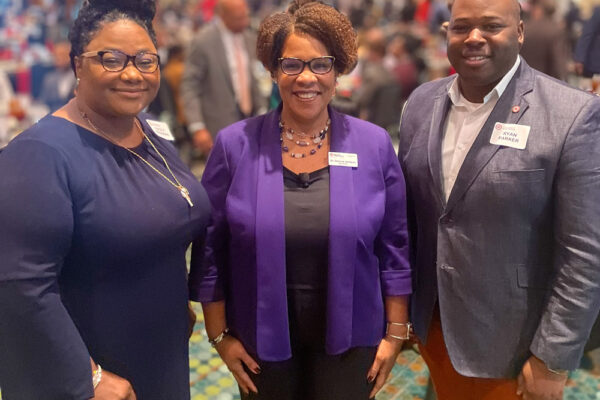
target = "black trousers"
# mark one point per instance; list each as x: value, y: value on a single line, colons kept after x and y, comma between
x: 311, y: 374
x: 314, y: 376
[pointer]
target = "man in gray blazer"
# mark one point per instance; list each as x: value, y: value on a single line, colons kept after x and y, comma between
x: 502, y: 170
x: 218, y: 86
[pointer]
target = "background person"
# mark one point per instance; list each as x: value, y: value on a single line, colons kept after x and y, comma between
x: 505, y: 234
x: 95, y: 217
x: 305, y: 259
x: 10, y: 110
x: 218, y: 86
x: 587, y: 50
x: 545, y: 46
x: 59, y: 84
x: 379, y: 95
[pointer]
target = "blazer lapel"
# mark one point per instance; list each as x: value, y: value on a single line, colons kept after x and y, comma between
x: 342, y: 240
x: 509, y: 109
x: 441, y: 106
x: 221, y: 57
x: 271, y: 313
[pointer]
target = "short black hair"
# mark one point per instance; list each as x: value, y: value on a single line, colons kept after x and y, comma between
x: 95, y: 13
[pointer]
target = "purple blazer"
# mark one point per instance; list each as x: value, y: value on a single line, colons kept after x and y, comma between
x: 244, y: 258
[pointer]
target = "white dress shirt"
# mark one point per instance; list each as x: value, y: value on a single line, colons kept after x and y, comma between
x: 464, y: 122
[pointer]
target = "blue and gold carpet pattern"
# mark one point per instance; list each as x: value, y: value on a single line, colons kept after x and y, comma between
x: 210, y: 379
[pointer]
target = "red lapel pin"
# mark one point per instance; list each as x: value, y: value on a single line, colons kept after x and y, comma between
x: 516, y: 109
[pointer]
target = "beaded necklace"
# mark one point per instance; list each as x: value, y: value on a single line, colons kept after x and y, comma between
x: 302, y: 139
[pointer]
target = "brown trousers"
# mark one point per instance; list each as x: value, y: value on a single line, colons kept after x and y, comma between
x: 449, y: 384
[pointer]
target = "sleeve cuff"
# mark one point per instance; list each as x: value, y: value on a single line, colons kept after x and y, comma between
x: 396, y: 283
x: 196, y: 126
x: 206, y: 292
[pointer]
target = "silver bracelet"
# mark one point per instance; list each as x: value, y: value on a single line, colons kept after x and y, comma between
x: 96, y: 376
x: 408, y: 326
x: 561, y: 372
x: 214, y: 342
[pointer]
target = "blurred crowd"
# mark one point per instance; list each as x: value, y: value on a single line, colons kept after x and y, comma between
x: 401, y: 44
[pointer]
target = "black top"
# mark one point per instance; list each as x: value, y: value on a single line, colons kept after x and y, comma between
x: 306, y: 200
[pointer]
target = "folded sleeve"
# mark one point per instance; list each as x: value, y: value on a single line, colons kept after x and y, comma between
x: 208, y: 262
x: 391, y: 244
x: 42, y: 355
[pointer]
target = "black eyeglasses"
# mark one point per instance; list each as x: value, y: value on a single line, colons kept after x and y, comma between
x: 116, y: 61
x: 295, y: 66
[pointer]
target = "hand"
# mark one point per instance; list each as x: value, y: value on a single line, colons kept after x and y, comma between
x: 15, y: 109
x: 191, y: 319
x: 203, y: 141
x: 387, y: 352
x: 579, y: 68
x: 233, y: 353
x: 536, y: 382
x: 113, y: 387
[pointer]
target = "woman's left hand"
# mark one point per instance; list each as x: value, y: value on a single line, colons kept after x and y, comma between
x: 387, y: 352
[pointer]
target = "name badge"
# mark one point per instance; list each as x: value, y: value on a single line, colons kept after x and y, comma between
x: 161, y: 129
x: 510, y: 135
x: 343, y: 159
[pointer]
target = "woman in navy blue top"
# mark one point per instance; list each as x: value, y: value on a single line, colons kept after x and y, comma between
x: 96, y: 214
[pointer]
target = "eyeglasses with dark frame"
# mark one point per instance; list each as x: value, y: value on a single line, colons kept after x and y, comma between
x: 295, y: 66
x: 116, y: 61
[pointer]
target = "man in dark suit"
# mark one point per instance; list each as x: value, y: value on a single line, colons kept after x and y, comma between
x: 218, y: 86
x: 503, y: 182
x: 587, y: 51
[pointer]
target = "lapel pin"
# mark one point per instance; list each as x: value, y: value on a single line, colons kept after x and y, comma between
x: 516, y: 109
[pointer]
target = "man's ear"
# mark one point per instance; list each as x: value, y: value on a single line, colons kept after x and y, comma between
x: 521, y: 31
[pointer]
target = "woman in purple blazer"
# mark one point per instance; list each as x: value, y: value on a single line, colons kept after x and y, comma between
x: 305, y: 277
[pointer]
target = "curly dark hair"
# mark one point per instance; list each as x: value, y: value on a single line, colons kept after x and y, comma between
x: 95, y: 13
x: 314, y: 19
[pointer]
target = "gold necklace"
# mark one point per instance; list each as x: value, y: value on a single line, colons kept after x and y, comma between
x: 182, y: 189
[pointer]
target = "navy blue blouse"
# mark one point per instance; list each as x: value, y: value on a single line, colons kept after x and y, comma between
x: 92, y: 263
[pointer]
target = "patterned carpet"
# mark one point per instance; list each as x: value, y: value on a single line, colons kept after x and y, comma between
x: 210, y: 379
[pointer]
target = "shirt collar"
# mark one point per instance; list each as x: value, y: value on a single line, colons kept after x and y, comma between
x: 457, y: 98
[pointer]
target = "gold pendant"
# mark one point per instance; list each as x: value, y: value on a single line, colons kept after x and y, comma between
x: 186, y: 195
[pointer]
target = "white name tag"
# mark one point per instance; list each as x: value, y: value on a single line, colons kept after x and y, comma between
x: 343, y: 159
x: 510, y: 135
x: 161, y: 129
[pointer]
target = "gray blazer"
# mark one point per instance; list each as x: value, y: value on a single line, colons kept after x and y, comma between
x: 513, y: 257
x: 207, y: 89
